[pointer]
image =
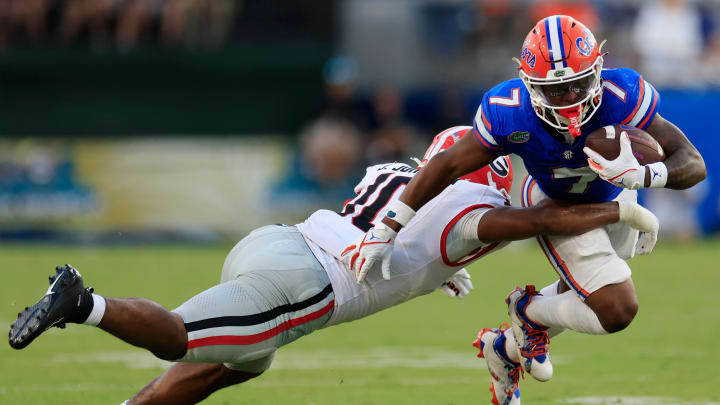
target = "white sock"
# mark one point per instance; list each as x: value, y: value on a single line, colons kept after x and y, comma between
x: 97, y: 312
x: 550, y: 291
x: 566, y: 310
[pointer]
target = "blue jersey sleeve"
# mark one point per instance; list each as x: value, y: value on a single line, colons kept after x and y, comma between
x: 485, y: 121
x: 636, y: 99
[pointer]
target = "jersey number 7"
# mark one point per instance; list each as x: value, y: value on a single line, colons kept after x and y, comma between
x: 584, y: 176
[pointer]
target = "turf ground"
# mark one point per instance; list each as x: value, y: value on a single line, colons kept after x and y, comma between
x: 417, y: 353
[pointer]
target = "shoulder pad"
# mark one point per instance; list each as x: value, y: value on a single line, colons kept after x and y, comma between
x: 634, y: 100
x: 373, y: 172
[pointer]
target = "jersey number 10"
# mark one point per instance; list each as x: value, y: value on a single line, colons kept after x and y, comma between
x: 367, y: 213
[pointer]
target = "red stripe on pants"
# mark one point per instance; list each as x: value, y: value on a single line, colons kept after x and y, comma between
x: 259, y: 337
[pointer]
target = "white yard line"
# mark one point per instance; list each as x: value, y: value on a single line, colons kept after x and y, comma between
x: 632, y: 401
x: 130, y: 359
x: 380, y: 357
x: 66, y: 388
x: 355, y: 382
x: 430, y: 357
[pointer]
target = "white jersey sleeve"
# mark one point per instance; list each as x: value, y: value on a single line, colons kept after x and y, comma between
x: 427, y: 251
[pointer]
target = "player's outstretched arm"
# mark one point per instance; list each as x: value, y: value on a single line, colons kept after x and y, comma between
x: 557, y: 218
x: 465, y: 156
x: 685, y: 165
x: 462, y: 158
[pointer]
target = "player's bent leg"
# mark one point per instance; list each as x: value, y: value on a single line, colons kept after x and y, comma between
x: 603, y: 276
x: 615, y: 305
x: 189, y: 383
x: 144, y: 323
x: 564, y: 311
x: 587, y: 263
x: 591, y: 264
x: 137, y: 321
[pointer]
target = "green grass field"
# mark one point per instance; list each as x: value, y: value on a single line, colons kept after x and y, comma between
x: 417, y: 353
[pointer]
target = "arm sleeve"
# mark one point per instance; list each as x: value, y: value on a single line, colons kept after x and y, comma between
x: 462, y: 238
x: 466, y: 228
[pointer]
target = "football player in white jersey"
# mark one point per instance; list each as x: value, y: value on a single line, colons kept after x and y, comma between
x: 282, y: 282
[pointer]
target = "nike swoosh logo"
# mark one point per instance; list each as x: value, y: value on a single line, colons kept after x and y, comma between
x: 49, y: 290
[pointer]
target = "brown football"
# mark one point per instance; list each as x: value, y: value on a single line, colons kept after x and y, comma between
x: 606, y: 142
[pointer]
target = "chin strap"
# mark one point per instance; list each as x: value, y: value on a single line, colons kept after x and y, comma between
x: 572, y: 115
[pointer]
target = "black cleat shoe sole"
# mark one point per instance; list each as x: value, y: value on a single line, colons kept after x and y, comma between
x: 57, y: 306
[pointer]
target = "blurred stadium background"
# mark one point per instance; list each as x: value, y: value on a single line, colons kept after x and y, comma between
x: 191, y: 122
x: 200, y: 120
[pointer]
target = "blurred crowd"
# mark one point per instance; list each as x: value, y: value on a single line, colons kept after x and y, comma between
x: 674, y: 43
x: 353, y: 131
x: 121, y: 24
x: 409, y: 68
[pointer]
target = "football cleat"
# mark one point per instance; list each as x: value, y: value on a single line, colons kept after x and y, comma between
x: 66, y: 300
x: 505, y: 373
x: 531, y: 337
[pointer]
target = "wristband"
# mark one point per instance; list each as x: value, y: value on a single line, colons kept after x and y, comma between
x: 658, y: 174
x: 400, y: 212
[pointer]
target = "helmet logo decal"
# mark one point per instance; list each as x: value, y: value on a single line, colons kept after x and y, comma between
x: 559, y: 73
x: 500, y: 167
x: 519, y: 137
x: 585, y: 45
x: 528, y: 57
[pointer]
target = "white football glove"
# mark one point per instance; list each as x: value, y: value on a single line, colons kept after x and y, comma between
x: 643, y: 220
x: 646, y: 243
x: 624, y: 171
x: 376, y: 245
x: 459, y: 285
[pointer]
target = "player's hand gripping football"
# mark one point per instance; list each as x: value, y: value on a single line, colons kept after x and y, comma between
x: 643, y: 220
x: 459, y: 285
x: 625, y: 171
x: 373, y: 247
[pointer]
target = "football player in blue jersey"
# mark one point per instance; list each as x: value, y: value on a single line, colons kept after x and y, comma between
x: 562, y: 95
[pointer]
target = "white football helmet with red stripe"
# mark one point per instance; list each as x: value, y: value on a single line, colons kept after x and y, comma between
x: 497, y: 174
x: 560, y: 64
